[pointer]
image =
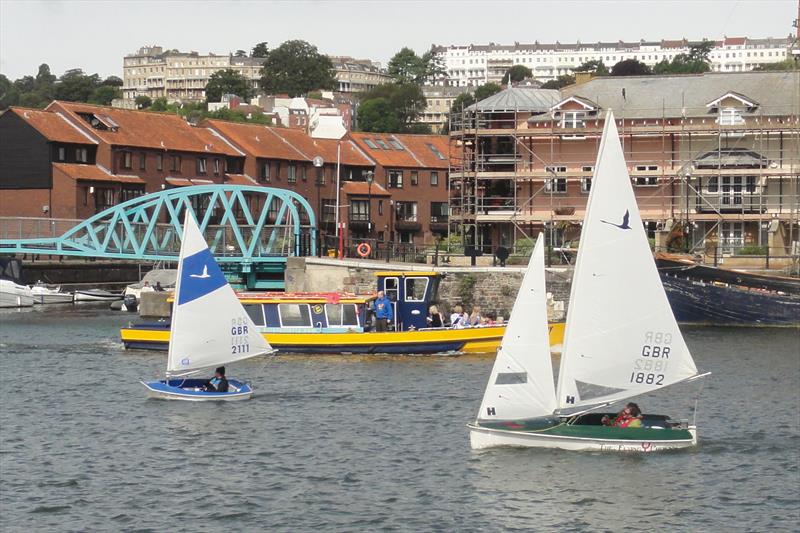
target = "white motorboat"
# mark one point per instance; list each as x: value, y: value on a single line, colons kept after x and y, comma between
x: 42, y: 294
x: 15, y: 295
x: 96, y: 295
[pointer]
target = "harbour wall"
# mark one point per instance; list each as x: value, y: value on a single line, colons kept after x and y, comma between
x: 77, y: 274
x: 494, y: 289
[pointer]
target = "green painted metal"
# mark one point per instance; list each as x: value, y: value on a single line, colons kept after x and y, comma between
x: 247, y: 226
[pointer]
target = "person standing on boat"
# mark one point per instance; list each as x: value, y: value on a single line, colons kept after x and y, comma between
x: 630, y: 417
x: 382, y: 308
x: 218, y: 383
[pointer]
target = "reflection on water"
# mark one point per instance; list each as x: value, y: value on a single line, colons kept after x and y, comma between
x: 347, y: 443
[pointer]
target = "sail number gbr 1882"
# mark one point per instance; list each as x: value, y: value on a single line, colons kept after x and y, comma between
x: 239, y: 335
x: 652, y: 362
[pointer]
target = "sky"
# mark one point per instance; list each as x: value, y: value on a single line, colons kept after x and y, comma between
x: 95, y: 34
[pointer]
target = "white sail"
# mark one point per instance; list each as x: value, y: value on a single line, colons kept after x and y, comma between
x: 521, y: 384
x: 209, y: 325
x: 621, y: 337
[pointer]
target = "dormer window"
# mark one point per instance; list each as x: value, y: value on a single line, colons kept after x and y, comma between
x: 730, y: 116
x: 99, y: 122
x: 573, y: 119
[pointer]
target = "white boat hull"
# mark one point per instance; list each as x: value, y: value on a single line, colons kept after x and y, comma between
x: 99, y: 296
x: 15, y: 295
x: 53, y: 298
x: 482, y: 438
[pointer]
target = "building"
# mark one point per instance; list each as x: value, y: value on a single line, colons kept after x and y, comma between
x: 358, y: 75
x: 438, y: 102
x: 179, y: 76
x: 714, y: 159
x: 476, y: 64
x: 328, y: 117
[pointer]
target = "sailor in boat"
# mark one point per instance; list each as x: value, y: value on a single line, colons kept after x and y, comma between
x: 629, y: 417
x: 218, y: 383
x: 382, y: 307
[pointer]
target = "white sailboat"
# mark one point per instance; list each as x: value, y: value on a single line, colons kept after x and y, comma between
x: 209, y: 326
x: 621, y: 337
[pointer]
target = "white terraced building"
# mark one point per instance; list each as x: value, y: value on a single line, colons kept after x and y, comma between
x: 478, y: 64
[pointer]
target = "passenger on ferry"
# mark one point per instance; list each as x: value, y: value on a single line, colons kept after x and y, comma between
x: 458, y: 318
x: 629, y: 417
x: 435, y: 318
x: 382, y: 308
x: 475, y: 317
x: 218, y: 383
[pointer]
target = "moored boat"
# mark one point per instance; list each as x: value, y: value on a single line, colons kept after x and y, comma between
x: 42, y: 294
x: 96, y: 295
x: 15, y: 295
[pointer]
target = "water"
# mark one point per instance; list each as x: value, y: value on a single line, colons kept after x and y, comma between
x: 368, y: 443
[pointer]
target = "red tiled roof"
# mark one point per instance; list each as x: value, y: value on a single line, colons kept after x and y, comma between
x: 733, y: 41
x: 144, y: 129
x: 94, y: 173
x: 239, y: 179
x: 416, y: 150
x: 52, y: 125
x: 185, y: 182
x: 362, y: 188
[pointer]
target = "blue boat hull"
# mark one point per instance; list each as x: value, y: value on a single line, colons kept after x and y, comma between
x: 190, y: 390
x: 697, y: 302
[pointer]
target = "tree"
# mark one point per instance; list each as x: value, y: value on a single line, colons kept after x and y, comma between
x: 104, y: 95
x: 227, y: 81
x: 295, y: 68
x: 392, y: 107
x: 486, y: 90
x: 143, y: 101
x: 9, y: 94
x: 407, y: 67
x: 786, y: 64
x: 260, y: 50
x: 681, y: 64
x: 240, y: 53
x: 630, y: 67
x: 561, y: 81
x: 595, y: 65
x: 700, y: 51
x: 75, y: 86
x: 517, y: 73
x: 114, y: 81
x: 159, y: 104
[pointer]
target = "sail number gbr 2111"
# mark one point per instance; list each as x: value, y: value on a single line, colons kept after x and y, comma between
x: 651, y: 364
x: 239, y: 336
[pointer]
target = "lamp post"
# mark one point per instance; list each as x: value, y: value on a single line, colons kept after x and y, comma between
x: 318, y: 163
x: 370, y: 179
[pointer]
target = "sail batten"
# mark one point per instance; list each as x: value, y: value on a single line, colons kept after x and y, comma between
x: 621, y: 337
x: 521, y: 383
x: 209, y: 325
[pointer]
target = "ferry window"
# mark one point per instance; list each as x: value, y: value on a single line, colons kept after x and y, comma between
x: 390, y: 287
x: 415, y: 289
x: 334, y: 313
x: 295, y: 315
x: 256, y: 312
x: 349, y: 315
x: 341, y: 315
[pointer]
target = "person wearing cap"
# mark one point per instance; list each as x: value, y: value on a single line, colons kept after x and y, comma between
x: 218, y: 383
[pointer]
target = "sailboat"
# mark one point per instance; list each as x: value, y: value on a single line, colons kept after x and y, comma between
x: 209, y: 326
x: 621, y: 338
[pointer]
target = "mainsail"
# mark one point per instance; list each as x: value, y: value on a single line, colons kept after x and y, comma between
x: 521, y: 384
x: 621, y: 337
x: 209, y: 325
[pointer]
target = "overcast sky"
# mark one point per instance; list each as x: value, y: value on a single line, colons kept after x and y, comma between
x: 95, y: 34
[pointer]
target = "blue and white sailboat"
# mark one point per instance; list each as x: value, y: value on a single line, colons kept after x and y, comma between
x: 209, y: 327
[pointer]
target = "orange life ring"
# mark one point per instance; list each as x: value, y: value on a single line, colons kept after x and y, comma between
x: 364, y: 249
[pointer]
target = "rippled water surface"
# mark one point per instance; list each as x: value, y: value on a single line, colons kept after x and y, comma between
x: 368, y: 443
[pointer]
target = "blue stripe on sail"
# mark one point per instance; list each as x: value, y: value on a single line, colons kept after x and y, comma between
x: 200, y: 276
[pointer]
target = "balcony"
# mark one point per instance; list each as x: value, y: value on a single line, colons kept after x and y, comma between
x: 408, y: 225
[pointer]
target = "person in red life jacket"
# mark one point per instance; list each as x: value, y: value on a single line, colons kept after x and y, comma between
x: 629, y: 417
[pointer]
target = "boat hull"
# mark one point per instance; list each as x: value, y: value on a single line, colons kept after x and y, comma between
x: 52, y: 298
x: 427, y: 341
x: 15, y: 295
x: 96, y: 296
x: 577, y: 438
x: 185, y: 390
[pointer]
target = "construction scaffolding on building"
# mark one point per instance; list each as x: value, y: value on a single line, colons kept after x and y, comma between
x: 714, y: 159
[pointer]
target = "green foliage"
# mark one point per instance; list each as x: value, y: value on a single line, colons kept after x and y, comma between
x: 752, y: 250
x: 240, y: 53
x: 524, y: 247
x: 227, y: 81
x: 114, y: 81
x: 453, y: 244
x: 466, y: 287
x: 407, y: 67
x: 486, y: 90
x: 195, y: 112
x: 392, y: 107
x: 233, y: 115
x: 630, y: 67
x: 561, y: 81
x: 159, y: 104
x: 9, y: 94
x: 295, y: 68
x: 260, y: 50
x: 143, y: 102
x: 517, y: 73
x: 595, y: 65
x: 104, y: 95
x: 695, y: 62
x: 786, y: 64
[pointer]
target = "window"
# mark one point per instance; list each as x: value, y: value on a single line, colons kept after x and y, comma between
x: 439, y: 212
x: 730, y: 116
x: 382, y: 144
x: 201, y: 165
x: 294, y: 315
x: 557, y: 185
x: 81, y: 155
x: 406, y: 211
x: 414, y: 177
x: 303, y: 173
x: 129, y: 193
x: 380, y: 207
x: 277, y: 170
x: 216, y: 166
x: 159, y: 161
x: 395, y: 180
x: 85, y: 191
x: 62, y: 153
x: 256, y: 313
x: 436, y: 152
x: 396, y: 145
x: 175, y: 163
x: 320, y: 176
x: 359, y: 210
x: 291, y: 173
x: 341, y: 315
x: 415, y: 288
x: 371, y: 144
x: 328, y: 210
x: 265, y: 171
x: 586, y: 185
x: 104, y: 198
x: 126, y: 159
x: 646, y: 181
x: 434, y: 179
x: 573, y: 119
x: 142, y: 161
